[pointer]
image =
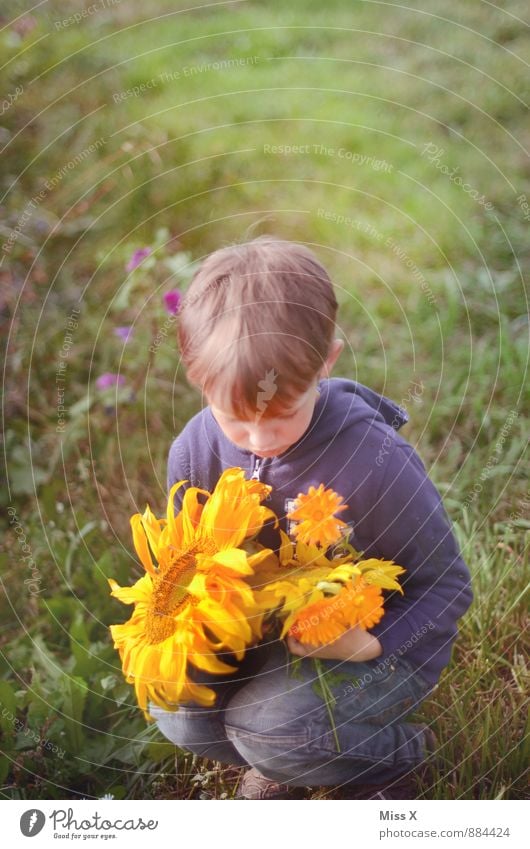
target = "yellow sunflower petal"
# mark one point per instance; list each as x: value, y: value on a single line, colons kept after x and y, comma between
x: 381, y: 573
x: 170, y: 514
x: 286, y: 552
x: 140, y: 543
x: 153, y: 528
x: 233, y: 561
x: 191, y: 514
x: 233, y: 512
x: 140, y: 591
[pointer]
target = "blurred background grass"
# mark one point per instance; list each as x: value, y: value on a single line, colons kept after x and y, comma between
x: 174, y: 128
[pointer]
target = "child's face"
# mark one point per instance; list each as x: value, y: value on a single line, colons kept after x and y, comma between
x: 269, y: 437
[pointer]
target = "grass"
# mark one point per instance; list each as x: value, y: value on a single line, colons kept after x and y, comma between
x: 431, y: 286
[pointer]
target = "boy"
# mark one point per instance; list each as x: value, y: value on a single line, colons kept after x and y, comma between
x: 256, y: 332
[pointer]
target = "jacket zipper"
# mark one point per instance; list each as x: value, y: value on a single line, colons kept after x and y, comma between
x: 257, y: 468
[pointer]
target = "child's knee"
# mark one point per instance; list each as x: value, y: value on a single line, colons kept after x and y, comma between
x: 186, y: 728
x: 276, y: 751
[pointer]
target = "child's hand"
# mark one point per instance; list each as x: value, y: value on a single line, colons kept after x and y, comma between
x: 355, y: 644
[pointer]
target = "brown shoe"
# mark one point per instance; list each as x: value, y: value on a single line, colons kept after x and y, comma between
x: 254, y: 785
x: 402, y: 787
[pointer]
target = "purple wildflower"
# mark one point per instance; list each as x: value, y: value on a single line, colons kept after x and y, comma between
x: 123, y: 332
x: 108, y: 379
x: 172, y: 301
x: 137, y: 257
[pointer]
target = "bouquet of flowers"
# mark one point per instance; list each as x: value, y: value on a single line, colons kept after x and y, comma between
x: 210, y: 587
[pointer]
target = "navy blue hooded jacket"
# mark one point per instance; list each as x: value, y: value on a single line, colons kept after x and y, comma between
x: 394, y: 510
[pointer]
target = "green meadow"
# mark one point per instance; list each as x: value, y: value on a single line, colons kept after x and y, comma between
x: 394, y: 141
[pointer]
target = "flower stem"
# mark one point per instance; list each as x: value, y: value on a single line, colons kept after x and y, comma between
x: 328, y: 698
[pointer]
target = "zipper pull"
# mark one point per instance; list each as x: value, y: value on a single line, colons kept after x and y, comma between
x: 257, y: 467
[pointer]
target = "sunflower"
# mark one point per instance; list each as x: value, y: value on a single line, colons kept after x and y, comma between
x: 315, y: 517
x: 195, y: 601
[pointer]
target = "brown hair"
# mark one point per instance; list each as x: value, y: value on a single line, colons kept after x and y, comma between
x: 257, y: 316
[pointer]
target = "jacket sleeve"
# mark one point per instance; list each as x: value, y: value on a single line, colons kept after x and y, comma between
x: 410, y: 526
x: 179, y: 467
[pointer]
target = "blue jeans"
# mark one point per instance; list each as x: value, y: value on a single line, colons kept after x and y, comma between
x: 277, y: 721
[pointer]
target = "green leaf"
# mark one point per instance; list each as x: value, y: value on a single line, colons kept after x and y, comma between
x: 118, y: 791
x: 78, y: 632
x: 105, y: 564
x: 181, y: 266
x: 86, y: 654
x: 76, y: 540
x: 74, y: 690
x: 109, y: 682
x: 7, y: 697
x: 63, y: 609
x: 49, y: 664
x: 82, y: 406
x: 5, y: 766
x: 24, y: 479
x: 8, y: 705
x: 157, y: 752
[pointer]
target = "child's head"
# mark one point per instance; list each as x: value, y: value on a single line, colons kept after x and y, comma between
x: 256, y: 332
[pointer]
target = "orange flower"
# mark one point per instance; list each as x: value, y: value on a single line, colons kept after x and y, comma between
x: 365, y: 607
x: 318, y: 623
x: 325, y: 620
x: 314, y: 514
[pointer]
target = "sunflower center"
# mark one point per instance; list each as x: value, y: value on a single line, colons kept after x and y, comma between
x: 170, y: 593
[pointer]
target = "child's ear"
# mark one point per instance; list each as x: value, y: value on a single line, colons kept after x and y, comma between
x: 336, y: 349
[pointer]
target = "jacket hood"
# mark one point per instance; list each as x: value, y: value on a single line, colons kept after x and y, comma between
x: 343, y: 403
